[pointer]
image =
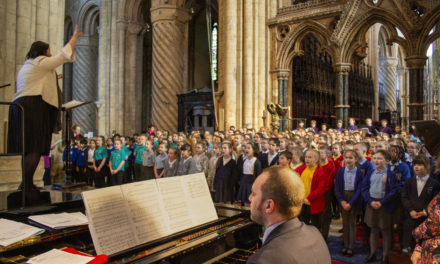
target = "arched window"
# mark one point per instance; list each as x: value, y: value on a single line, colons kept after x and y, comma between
x: 214, y: 52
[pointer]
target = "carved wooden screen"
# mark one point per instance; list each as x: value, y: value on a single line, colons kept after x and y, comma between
x: 361, y: 91
x: 313, y: 82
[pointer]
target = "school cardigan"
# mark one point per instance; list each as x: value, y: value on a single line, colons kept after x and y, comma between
x: 392, y: 188
x: 316, y: 196
x: 365, y: 166
x: 37, y: 76
x: 356, y: 201
x: 329, y: 172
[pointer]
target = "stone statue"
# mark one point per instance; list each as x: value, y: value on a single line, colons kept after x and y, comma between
x: 276, y: 111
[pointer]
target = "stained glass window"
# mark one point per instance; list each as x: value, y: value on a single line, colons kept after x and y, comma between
x: 214, y: 52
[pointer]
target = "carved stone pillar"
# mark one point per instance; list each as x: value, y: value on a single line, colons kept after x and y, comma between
x: 84, y: 84
x: 132, y: 93
x: 169, y: 35
x: 341, y: 107
x: 389, y: 75
x: 283, y: 76
x: 416, y: 66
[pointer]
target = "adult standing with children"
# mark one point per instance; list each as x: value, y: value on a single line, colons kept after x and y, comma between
x: 41, y: 99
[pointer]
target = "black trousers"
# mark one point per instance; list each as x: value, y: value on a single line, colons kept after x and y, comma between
x: 100, y: 176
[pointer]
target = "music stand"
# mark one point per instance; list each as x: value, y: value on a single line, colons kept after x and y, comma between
x: 67, y: 109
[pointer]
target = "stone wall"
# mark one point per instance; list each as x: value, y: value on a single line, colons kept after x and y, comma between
x: 21, y: 23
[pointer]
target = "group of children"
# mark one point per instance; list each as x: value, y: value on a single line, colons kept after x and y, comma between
x: 383, y: 182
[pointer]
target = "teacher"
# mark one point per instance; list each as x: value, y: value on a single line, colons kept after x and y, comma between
x: 38, y: 93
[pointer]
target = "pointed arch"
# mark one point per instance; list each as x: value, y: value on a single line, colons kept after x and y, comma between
x: 291, y: 46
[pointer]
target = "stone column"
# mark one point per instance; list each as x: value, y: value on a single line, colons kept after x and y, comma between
x: 228, y: 53
x: 341, y: 107
x: 283, y: 76
x: 248, y: 63
x: 416, y: 66
x: 84, y: 84
x: 389, y: 75
x: 131, y: 94
x: 169, y: 35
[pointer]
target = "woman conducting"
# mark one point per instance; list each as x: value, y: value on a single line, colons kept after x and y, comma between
x: 39, y: 95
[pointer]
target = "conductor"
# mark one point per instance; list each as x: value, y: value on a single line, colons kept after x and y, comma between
x: 276, y: 200
x: 38, y: 93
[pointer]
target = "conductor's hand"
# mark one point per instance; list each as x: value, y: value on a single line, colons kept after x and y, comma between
x: 77, y: 33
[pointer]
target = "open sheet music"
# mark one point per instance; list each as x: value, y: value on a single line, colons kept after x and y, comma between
x: 128, y: 215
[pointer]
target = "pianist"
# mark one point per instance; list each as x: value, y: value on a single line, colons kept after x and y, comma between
x: 276, y: 200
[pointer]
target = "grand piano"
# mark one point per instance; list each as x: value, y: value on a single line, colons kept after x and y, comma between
x: 229, y: 239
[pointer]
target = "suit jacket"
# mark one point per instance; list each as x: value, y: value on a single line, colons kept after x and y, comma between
x: 356, y: 201
x: 292, y: 242
x: 316, y: 196
x: 265, y: 161
x: 392, y: 187
x: 411, y: 199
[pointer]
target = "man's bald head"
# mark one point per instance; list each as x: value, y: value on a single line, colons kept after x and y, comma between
x: 285, y: 188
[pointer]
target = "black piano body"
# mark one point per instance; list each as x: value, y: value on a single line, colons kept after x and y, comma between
x: 232, y: 230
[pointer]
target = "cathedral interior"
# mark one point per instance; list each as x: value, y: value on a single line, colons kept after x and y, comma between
x: 144, y: 62
x: 209, y: 65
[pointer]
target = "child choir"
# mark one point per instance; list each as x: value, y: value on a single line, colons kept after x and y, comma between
x: 386, y: 195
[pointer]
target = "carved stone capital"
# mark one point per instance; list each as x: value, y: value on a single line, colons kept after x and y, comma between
x: 416, y: 62
x: 282, y: 74
x: 169, y: 13
x: 342, y: 68
x: 134, y: 28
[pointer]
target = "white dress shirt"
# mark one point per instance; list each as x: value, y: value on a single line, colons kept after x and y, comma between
x: 421, y: 181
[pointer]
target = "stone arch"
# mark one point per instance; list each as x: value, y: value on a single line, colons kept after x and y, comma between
x: 384, y: 37
x: 430, y: 21
x: 88, y: 17
x: 291, y: 46
x: 355, y: 37
x: 85, y: 69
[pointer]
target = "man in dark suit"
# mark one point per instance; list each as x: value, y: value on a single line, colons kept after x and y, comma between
x: 417, y: 193
x: 276, y: 201
x: 271, y: 158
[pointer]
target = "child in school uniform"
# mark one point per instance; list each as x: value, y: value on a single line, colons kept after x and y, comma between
x: 297, y: 158
x: 271, y: 158
x: 187, y: 165
x: 348, y: 193
x: 116, y: 163
x: 417, y: 193
x: 210, y: 171
x: 285, y: 159
x: 364, y: 165
x: 90, y: 157
x: 110, y: 149
x: 314, y: 184
x: 125, y: 148
x: 73, y: 154
x: 225, y: 175
x: 250, y: 171
x: 171, y: 164
x: 81, y: 161
x: 402, y: 172
x: 148, y: 161
x: 139, y: 149
x: 337, y: 158
x: 328, y: 166
x: 379, y: 188
x: 200, y: 157
x: 99, y: 160
x: 160, y: 160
